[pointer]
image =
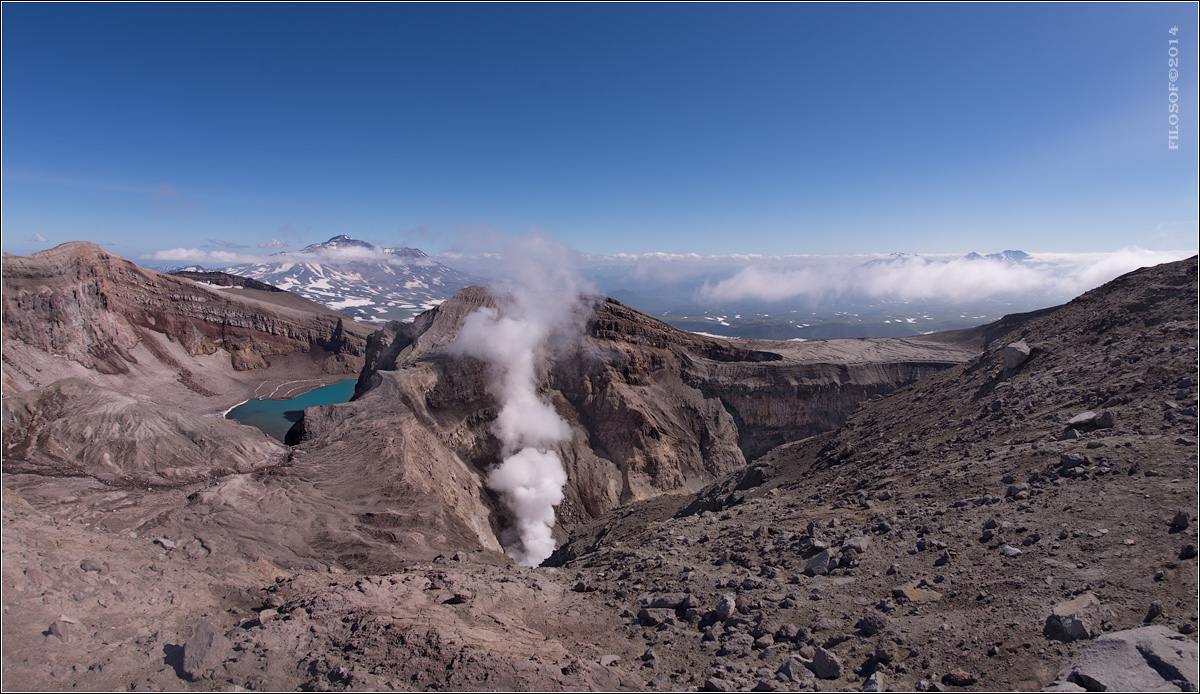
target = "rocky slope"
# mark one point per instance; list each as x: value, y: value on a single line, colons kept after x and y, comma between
x: 970, y: 530
x: 929, y: 541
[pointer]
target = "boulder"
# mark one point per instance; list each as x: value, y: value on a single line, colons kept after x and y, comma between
x: 207, y: 649
x: 726, y: 606
x: 795, y: 670
x: 1015, y: 355
x: 820, y: 564
x: 1088, y: 421
x: 1146, y: 659
x: 858, y: 543
x: 825, y: 664
x: 872, y: 623
x: 653, y: 616
x: 1074, y: 620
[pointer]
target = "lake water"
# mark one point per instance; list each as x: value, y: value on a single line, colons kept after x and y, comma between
x: 275, y: 417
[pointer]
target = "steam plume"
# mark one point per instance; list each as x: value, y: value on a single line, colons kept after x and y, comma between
x: 539, y: 303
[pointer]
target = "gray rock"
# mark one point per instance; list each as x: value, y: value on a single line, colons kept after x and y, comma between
x: 1147, y: 659
x: 821, y: 564
x: 874, y: 683
x: 654, y: 616
x: 885, y: 650
x: 858, y: 543
x: 1154, y: 612
x: 92, y: 565
x: 609, y: 660
x: 1088, y: 421
x: 738, y: 645
x: 794, y: 669
x: 1181, y: 520
x: 1075, y: 619
x: 1010, y: 551
x: 872, y: 623
x: 726, y: 606
x: 207, y: 649
x: 825, y: 665
x: 60, y: 630
x: 1015, y: 355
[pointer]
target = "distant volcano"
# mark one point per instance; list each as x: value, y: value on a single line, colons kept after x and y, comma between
x: 361, y: 280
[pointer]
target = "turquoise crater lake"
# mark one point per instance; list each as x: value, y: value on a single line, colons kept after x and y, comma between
x: 275, y: 417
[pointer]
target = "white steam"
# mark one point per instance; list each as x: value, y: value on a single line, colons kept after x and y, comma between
x: 539, y: 303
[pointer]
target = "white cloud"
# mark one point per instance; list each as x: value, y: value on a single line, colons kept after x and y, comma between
x: 273, y: 243
x: 198, y: 255
x: 37, y: 238
x: 331, y: 256
x: 915, y: 277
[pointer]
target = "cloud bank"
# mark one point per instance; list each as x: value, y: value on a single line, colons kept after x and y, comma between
x: 197, y: 255
x: 333, y: 256
x: 916, y: 277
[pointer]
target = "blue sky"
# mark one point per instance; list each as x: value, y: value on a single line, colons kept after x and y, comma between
x: 713, y: 129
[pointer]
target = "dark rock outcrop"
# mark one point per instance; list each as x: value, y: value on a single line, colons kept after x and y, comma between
x: 224, y: 279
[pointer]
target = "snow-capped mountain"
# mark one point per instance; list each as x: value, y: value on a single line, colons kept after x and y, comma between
x: 361, y: 280
x: 1009, y: 257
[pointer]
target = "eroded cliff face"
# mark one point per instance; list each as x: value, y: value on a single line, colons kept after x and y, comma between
x: 653, y: 410
x: 81, y: 303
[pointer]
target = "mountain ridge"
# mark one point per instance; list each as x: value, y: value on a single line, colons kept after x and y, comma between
x: 360, y: 280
